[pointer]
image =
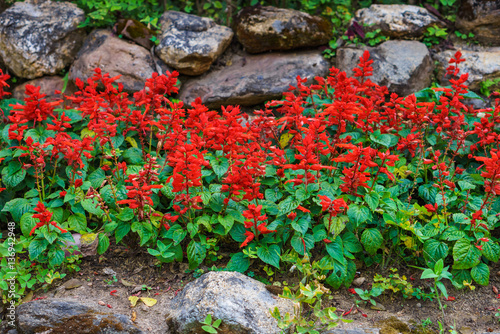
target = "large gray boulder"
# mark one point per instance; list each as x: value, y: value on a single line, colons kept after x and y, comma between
x: 40, y: 39
x: 63, y: 316
x: 481, y: 17
x: 405, y: 67
x: 480, y: 65
x: 242, y: 303
x: 190, y: 43
x: 115, y: 56
x: 397, y: 21
x: 268, y: 28
x: 253, y: 79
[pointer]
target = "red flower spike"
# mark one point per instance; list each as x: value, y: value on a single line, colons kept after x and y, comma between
x: 44, y: 216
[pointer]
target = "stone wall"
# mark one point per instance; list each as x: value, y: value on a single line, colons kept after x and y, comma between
x: 268, y: 49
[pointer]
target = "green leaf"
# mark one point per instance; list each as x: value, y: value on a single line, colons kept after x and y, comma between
x: 144, y: 230
x: 434, y: 250
x: 176, y: 233
x: 121, y: 230
x: 298, y: 241
x: 227, y: 222
x: 220, y: 166
x: 239, y: 262
x: 133, y: 156
x: 209, y: 329
x: 77, y: 222
x: 49, y: 236
x: 196, y: 253
x: 91, y: 205
x: 372, y: 240
x: 270, y: 255
x: 491, y: 250
x: 336, y: 249
x: 465, y: 254
x: 288, y: 205
x: 273, y: 195
x: 481, y: 274
x: 301, y: 225
x: 27, y: 223
x: 13, y: 174
x: 103, y: 244
x: 351, y: 243
x: 386, y: 140
x: 56, y: 257
x: 358, y: 214
x: 126, y: 214
x: 372, y: 199
x: 18, y: 207
x: 96, y: 178
x: 36, y: 247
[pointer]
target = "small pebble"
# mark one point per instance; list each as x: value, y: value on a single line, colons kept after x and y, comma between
x: 109, y: 271
x: 359, y: 281
x: 101, y: 303
x: 419, y: 305
x: 89, y: 284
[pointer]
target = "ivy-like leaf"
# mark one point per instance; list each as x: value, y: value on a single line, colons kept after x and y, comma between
x: 372, y: 240
x: 465, y: 254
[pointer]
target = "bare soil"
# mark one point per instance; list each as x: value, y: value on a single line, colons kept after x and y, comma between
x: 139, y: 273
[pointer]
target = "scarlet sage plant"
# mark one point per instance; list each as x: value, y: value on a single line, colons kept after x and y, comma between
x: 337, y: 170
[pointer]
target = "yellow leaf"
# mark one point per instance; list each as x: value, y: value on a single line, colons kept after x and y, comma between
x: 469, y: 285
x: 88, y: 238
x: 87, y: 133
x: 148, y: 301
x: 408, y: 241
x: 285, y: 139
x: 132, y: 142
x: 133, y: 300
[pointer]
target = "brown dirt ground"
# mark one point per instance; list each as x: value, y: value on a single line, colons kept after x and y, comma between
x: 472, y: 311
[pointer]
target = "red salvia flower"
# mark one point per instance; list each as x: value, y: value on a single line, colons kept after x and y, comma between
x: 44, y: 216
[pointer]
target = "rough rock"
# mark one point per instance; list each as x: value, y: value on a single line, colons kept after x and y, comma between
x: 241, y: 302
x: 38, y: 40
x: 48, y: 86
x: 190, y: 43
x: 115, y: 56
x: 62, y: 316
x: 404, y: 67
x: 252, y: 79
x: 480, y: 66
x: 359, y: 281
x: 481, y: 17
x: 262, y: 29
x: 397, y: 21
x: 353, y: 331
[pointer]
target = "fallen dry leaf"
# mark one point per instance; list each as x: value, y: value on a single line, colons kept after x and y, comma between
x: 148, y: 301
x: 133, y: 300
x: 495, y: 290
x: 134, y: 316
x: 127, y: 283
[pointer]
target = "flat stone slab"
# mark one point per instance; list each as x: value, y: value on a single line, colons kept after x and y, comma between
x: 253, y: 79
x: 63, y: 316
